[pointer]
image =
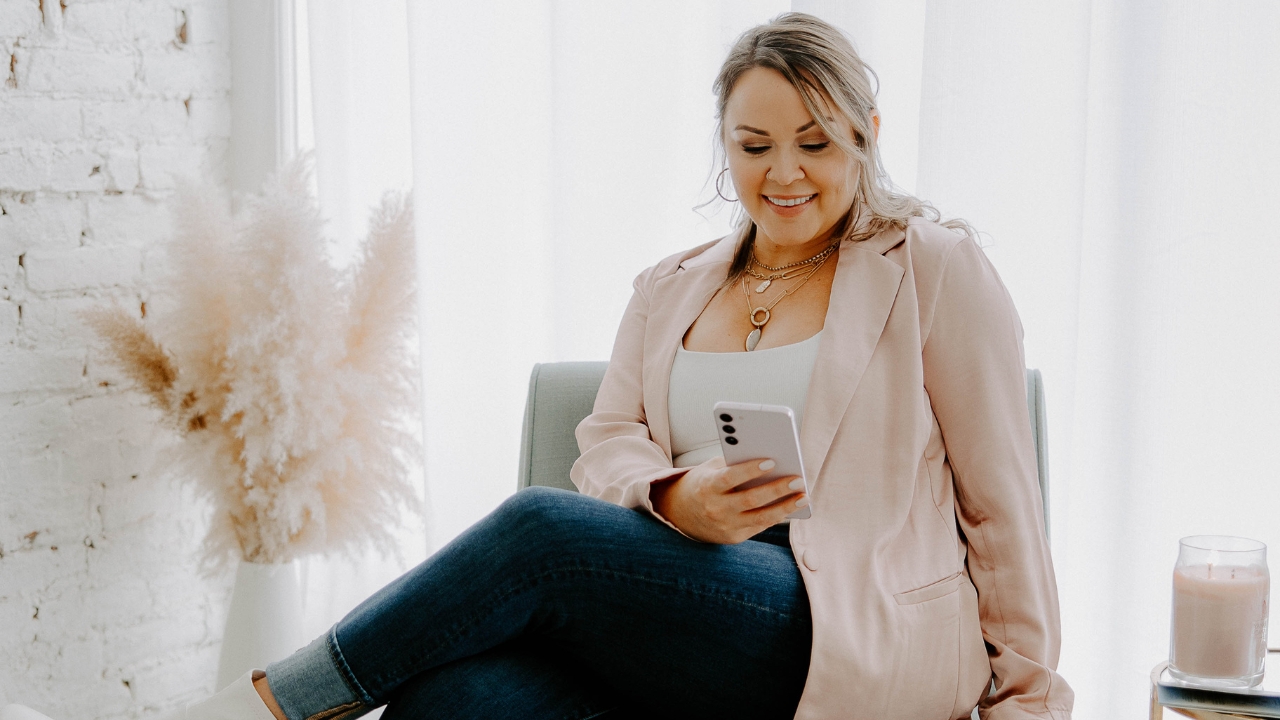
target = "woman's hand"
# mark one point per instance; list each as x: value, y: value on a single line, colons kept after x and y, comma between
x: 705, y: 505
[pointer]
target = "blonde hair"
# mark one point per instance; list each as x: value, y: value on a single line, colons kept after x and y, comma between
x: 820, y: 62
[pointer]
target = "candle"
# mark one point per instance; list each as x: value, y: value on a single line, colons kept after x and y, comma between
x: 1219, y: 621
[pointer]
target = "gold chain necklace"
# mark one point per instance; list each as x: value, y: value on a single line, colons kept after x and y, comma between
x: 820, y: 256
x: 753, y: 337
x: 781, y: 273
x: 768, y: 279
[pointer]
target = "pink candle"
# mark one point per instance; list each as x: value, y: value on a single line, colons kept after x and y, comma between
x: 1219, y: 622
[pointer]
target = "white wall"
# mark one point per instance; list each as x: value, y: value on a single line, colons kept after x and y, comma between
x: 101, y: 613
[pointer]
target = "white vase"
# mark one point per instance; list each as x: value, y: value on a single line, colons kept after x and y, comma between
x: 264, y: 623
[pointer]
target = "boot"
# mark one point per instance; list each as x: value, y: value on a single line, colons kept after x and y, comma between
x: 237, y: 701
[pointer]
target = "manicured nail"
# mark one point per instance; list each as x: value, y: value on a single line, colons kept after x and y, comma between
x: 797, y: 484
x: 802, y: 502
x: 767, y: 465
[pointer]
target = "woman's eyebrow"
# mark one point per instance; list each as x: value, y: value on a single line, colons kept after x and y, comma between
x: 758, y: 131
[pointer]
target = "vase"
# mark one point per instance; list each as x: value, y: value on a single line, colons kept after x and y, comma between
x: 264, y: 623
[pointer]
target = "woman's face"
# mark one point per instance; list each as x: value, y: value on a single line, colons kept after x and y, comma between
x: 792, y: 180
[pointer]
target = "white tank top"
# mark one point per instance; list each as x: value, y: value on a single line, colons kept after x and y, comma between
x: 699, y: 380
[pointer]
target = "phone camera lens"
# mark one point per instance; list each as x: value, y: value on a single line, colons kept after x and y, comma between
x: 729, y: 429
x: 731, y: 440
x: 726, y: 417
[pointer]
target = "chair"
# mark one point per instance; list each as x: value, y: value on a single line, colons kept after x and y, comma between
x: 561, y: 394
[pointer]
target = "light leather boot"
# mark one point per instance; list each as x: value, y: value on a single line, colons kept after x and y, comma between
x: 237, y: 701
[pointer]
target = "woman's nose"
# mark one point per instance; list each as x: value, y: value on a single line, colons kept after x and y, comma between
x: 786, y: 170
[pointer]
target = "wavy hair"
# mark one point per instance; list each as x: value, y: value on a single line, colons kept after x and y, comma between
x: 820, y: 62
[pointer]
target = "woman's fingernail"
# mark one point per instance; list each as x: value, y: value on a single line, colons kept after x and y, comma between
x: 802, y: 502
x: 767, y: 465
x: 796, y: 484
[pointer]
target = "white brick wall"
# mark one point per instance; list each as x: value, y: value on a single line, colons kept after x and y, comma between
x: 102, y: 103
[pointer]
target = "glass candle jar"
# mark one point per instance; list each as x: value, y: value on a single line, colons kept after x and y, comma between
x: 1221, y: 589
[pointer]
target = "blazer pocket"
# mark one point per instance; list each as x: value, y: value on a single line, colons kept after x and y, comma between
x: 932, y: 591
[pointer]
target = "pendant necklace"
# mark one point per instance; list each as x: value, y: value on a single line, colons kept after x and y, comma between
x: 785, y: 272
x: 756, y: 313
x: 768, y: 279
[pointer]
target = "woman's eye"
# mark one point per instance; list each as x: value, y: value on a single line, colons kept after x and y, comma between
x: 754, y: 149
x: 816, y: 147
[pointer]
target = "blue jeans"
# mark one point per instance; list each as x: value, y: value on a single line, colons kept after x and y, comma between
x: 558, y: 605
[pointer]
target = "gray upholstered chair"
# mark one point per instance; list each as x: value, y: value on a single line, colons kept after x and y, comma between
x: 561, y: 394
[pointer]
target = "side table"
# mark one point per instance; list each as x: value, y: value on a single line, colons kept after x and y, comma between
x: 1173, y: 700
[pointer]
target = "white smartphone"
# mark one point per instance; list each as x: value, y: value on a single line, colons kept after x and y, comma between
x: 755, y: 432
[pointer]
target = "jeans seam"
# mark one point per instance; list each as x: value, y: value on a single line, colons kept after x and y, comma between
x: 335, y: 652
x: 530, y: 580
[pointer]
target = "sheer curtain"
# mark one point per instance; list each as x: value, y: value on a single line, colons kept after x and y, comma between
x: 1118, y: 156
x: 353, y: 112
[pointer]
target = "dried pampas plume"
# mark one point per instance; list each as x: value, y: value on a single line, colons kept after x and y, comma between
x: 290, y: 385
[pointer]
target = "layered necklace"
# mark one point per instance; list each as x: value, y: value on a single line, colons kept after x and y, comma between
x: 759, y: 315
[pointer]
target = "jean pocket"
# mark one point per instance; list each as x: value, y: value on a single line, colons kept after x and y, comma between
x: 932, y: 591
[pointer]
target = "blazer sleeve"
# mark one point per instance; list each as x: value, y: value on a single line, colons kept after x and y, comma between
x: 976, y: 380
x: 619, y: 458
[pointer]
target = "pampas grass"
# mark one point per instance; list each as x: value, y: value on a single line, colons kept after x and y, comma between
x: 287, y: 383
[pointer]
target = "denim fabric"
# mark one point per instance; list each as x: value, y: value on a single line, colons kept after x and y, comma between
x: 308, y: 682
x: 558, y: 605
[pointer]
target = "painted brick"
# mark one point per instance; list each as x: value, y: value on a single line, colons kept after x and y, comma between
x: 164, y: 165
x: 20, y: 57
x: 207, y: 23
x: 54, y: 323
x: 52, y: 17
x: 8, y: 325
x: 66, y: 70
x: 19, y: 17
x: 129, y: 219
x: 121, y: 171
x: 135, y: 118
x: 29, y: 427
x: 104, y: 96
x: 203, y: 70
x: 51, y: 167
x: 39, y: 220
x: 25, y: 371
x: 210, y: 117
x: 87, y: 267
x: 23, y: 170
x: 102, y: 22
x: 155, y: 24
x: 36, y: 118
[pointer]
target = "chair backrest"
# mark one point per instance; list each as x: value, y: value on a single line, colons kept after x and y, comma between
x: 562, y: 394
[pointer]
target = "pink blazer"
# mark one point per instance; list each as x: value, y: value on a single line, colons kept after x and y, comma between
x: 925, y: 561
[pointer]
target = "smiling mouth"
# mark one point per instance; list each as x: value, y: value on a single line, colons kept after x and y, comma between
x: 790, y: 202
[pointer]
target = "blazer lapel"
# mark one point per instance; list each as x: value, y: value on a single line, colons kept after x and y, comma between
x: 862, y: 294
x: 677, y: 301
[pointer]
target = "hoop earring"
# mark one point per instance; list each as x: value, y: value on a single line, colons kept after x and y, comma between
x: 721, y: 194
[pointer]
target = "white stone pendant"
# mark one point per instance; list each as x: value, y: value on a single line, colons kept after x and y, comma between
x: 764, y: 285
x: 753, y: 339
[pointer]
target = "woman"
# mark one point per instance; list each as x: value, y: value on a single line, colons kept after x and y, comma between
x: 923, y: 572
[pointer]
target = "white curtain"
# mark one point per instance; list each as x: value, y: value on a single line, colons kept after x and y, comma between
x: 1120, y: 158
x: 353, y: 111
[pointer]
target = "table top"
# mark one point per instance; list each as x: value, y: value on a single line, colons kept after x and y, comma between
x: 1262, y: 701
